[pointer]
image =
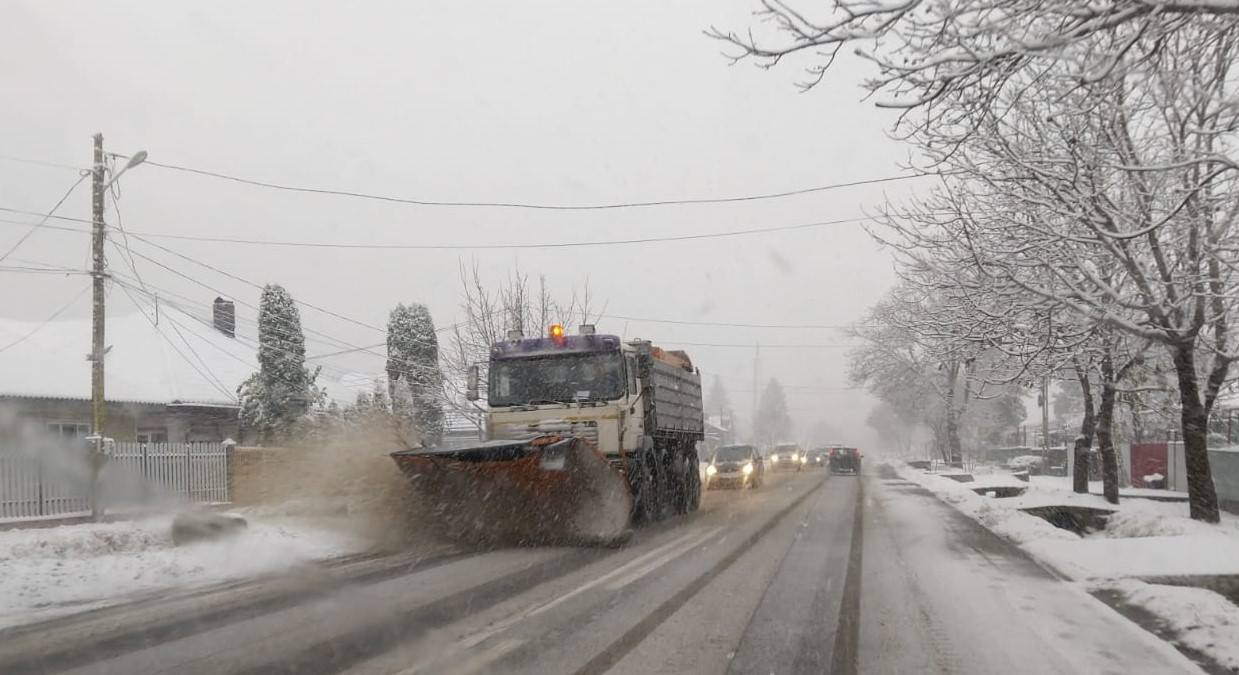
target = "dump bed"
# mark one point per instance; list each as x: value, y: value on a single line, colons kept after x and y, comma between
x: 677, y: 398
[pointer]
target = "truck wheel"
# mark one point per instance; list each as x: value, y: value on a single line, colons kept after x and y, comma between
x: 687, y: 484
x: 644, y: 490
x: 664, y: 490
x: 694, y: 483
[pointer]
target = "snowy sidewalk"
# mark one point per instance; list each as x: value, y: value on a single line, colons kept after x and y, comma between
x: 1143, y: 539
x: 61, y: 570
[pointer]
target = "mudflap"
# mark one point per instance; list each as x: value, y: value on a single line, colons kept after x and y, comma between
x: 548, y: 489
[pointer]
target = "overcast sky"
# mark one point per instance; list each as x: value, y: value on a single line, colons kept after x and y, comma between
x: 548, y: 101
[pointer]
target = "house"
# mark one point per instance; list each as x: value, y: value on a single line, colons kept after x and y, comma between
x: 171, y: 376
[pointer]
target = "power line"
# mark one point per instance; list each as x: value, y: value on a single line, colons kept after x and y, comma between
x: 35, y: 226
x: 739, y: 345
x: 725, y: 324
x: 208, y: 376
x: 120, y: 225
x: 459, y: 247
x: 40, y: 162
x: 24, y: 269
x: 528, y: 205
x: 48, y: 320
x: 253, y: 284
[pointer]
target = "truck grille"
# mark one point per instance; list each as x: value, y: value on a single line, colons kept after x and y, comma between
x: 587, y: 430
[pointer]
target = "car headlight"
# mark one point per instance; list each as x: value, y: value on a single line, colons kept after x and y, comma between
x: 748, y: 468
x: 802, y: 459
x: 775, y: 459
x: 710, y: 470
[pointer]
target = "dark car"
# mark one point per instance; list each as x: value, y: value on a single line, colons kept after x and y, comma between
x: 787, y: 457
x: 845, y: 460
x: 736, y: 466
x: 817, y: 458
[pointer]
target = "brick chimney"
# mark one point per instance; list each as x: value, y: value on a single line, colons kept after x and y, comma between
x: 224, y: 314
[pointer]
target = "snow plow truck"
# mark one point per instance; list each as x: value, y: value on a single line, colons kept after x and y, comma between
x: 585, y: 437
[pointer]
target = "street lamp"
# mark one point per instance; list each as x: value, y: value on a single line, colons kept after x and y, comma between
x: 137, y: 158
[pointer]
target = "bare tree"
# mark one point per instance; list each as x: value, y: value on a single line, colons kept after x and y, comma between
x: 957, y: 62
x: 490, y: 312
x: 1112, y: 204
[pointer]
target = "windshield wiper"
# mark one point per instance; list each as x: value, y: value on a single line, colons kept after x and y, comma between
x: 547, y: 401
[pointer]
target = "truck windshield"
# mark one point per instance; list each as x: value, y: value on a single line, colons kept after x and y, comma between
x: 733, y: 453
x: 556, y: 379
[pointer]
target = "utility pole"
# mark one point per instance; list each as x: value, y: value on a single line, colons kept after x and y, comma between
x: 98, y: 316
x: 756, y: 356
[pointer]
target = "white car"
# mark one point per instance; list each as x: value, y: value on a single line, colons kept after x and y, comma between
x: 787, y: 457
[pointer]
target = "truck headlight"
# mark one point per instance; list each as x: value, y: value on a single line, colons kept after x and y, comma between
x: 748, y: 468
x: 710, y: 470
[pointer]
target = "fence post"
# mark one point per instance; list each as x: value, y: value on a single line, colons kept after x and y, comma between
x: 189, y: 492
x: 39, y: 480
x: 230, y: 447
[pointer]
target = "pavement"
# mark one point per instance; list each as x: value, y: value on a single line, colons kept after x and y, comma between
x: 811, y: 573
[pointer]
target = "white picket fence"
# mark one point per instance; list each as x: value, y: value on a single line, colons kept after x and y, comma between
x: 135, y: 474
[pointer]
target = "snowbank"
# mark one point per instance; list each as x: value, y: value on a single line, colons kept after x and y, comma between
x: 1201, y: 619
x: 1142, y: 538
x: 75, y: 567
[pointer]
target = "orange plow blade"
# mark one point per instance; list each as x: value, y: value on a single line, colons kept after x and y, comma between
x: 545, y: 490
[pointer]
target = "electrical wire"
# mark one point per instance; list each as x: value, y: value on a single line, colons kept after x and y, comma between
x: 56, y: 314
x: 528, y: 205
x: 120, y: 225
x: 47, y: 216
x: 39, y: 162
x: 726, y: 324
x: 763, y: 345
x: 461, y: 247
x: 207, y: 375
x: 23, y: 269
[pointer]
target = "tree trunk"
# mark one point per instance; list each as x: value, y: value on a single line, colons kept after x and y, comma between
x: 1105, y: 432
x: 952, y: 417
x: 1202, y: 497
x: 1079, y: 470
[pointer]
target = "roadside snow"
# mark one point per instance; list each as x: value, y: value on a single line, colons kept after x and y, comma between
x: 1202, y: 620
x: 75, y: 567
x: 1102, y: 558
x: 1142, y: 538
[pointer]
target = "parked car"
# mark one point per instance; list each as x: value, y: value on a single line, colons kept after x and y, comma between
x: 817, y: 458
x: 845, y: 460
x: 736, y: 466
x: 787, y: 457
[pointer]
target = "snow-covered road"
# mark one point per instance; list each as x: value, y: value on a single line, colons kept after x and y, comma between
x: 810, y: 573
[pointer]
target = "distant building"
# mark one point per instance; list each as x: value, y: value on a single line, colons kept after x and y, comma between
x: 720, y: 430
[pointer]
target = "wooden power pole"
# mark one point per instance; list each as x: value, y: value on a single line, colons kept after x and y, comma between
x: 98, y: 316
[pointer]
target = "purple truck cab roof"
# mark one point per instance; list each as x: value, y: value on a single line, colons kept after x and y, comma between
x: 545, y: 346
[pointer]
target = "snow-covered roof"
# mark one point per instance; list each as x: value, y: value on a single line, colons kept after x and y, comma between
x: 179, y: 359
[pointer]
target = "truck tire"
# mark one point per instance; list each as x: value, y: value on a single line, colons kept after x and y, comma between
x: 694, y: 483
x: 686, y: 487
x: 664, y: 488
x: 642, y: 482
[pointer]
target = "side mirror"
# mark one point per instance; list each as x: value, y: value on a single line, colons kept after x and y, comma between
x: 471, y: 384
